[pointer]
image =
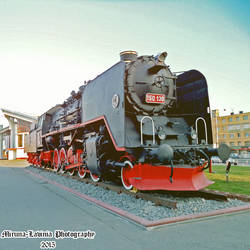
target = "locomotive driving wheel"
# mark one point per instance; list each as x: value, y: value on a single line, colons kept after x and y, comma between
x: 95, y: 177
x: 81, y: 169
x: 81, y: 172
x: 63, y: 160
x: 56, y: 160
x: 71, y: 160
x: 39, y: 161
x: 125, y: 174
x: 36, y: 159
x: 102, y: 145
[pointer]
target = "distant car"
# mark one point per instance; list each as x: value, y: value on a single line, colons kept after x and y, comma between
x: 216, y: 159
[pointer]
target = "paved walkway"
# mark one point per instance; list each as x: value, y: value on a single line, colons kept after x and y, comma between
x: 29, y: 203
x: 14, y: 163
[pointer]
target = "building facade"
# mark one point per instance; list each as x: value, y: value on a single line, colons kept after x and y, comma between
x: 12, y: 137
x: 233, y: 129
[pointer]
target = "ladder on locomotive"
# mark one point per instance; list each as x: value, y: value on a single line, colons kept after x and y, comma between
x: 153, y: 128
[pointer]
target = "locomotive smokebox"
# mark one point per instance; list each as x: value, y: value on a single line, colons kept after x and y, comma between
x: 128, y: 56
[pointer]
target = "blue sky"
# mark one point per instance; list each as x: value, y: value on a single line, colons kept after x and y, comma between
x: 49, y: 47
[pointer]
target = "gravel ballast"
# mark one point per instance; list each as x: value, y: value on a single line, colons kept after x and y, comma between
x: 139, y: 207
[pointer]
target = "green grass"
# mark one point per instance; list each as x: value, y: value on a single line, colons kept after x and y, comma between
x: 239, y: 179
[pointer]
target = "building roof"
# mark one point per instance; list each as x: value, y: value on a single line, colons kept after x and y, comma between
x: 240, y: 113
x: 19, y: 115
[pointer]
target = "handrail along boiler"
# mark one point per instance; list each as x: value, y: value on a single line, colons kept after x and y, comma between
x: 136, y: 121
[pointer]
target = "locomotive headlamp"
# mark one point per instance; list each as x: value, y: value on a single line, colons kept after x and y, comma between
x: 193, y: 134
x: 162, y: 135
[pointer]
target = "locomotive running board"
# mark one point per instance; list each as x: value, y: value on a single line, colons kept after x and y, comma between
x: 149, y: 177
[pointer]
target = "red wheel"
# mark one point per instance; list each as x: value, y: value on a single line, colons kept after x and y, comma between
x: 36, y: 159
x: 95, y: 177
x: 40, y: 160
x: 71, y: 160
x: 81, y: 170
x: 63, y: 160
x: 30, y: 157
x: 71, y: 172
x: 33, y: 160
x: 70, y: 156
x: 124, y: 175
x: 56, y: 160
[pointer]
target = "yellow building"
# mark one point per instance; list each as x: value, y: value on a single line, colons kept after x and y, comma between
x: 233, y: 129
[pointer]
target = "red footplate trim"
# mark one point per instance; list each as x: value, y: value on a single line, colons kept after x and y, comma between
x: 149, y: 177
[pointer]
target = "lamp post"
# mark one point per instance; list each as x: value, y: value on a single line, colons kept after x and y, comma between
x: 217, y: 131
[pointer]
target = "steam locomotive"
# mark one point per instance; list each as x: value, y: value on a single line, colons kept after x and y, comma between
x: 137, y: 121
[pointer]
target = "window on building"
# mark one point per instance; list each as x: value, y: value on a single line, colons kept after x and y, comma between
x: 223, y: 120
x: 245, y: 117
x: 231, y: 135
x: 231, y: 143
x: 7, y: 141
x: 237, y: 118
x: 224, y: 136
x: 247, y: 143
x: 246, y: 134
x: 238, y: 134
x: 239, y: 143
x: 247, y: 125
x: 20, y: 141
x: 230, y: 119
x: 234, y: 127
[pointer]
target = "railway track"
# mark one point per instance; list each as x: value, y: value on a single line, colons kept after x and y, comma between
x: 159, y: 198
x: 205, y: 193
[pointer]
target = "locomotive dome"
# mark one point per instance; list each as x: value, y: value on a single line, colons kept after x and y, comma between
x: 150, y: 85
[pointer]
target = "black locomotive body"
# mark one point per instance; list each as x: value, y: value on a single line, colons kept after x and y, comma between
x: 137, y: 121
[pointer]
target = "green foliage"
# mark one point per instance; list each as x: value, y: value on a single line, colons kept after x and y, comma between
x: 239, y: 179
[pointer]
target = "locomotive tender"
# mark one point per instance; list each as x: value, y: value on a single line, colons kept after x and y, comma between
x: 137, y: 121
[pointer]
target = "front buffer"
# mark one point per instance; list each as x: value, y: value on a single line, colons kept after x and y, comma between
x: 145, y: 176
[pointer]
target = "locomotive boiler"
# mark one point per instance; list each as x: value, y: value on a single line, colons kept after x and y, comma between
x: 137, y: 121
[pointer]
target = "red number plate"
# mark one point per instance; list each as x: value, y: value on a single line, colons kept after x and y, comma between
x: 155, y: 98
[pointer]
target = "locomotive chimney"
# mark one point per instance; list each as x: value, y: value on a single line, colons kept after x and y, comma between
x: 128, y: 56
x: 161, y: 57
